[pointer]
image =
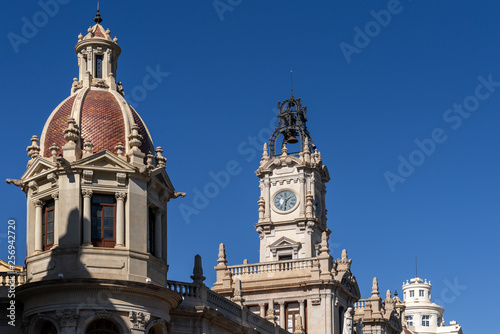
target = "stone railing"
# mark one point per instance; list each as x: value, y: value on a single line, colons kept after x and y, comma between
x: 5, y: 277
x: 360, y: 304
x: 200, y: 295
x: 269, y: 267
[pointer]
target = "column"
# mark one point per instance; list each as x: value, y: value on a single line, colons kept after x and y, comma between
x: 282, y: 315
x: 38, y: 224
x: 262, y: 310
x: 56, y: 218
x: 87, y: 217
x: 158, y: 233
x: 328, y: 313
x: 302, y: 185
x: 302, y: 312
x: 267, y: 198
x: 120, y: 218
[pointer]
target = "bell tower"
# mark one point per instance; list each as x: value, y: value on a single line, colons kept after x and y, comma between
x: 292, y: 214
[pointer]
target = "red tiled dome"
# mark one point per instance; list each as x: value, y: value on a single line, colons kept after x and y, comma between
x: 100, y: 119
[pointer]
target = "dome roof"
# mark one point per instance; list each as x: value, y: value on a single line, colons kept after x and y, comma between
x: 102, y: 116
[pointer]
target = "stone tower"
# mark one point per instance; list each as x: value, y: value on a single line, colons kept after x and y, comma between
x: 297, y: 283
x: 96, y: 209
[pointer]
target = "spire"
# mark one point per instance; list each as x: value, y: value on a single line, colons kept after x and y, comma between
x: 375, y: 287
x: 197, y: 276
x: 97, y: 18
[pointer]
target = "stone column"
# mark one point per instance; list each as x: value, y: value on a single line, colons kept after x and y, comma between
x: 38, y: 224
x: 302, y: 185
x: 302, y: 311
x: 120, y: 218
x: 328, y: 313
x: 267, y: 198
x: 282, y: 315
x: 56, y: 218
x: 158, y: 233
x: 262, y: 310
x: 87, y: 217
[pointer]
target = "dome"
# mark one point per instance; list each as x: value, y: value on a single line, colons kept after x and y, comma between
x: 103, y: 117
x: 101, y: 114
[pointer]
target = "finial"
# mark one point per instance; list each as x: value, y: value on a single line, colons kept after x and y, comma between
x: 291, y: 81
x: 87, y: 146
x: 71, y: 133
x: 375, y: 286
x: 388, y: 294
x: 160, y: 159
x: 197, y: 276
x: 135, y: 139
x: 120, y: 149
x: 149, y: 159
x: 34, y: 149
x: 97, y: 18
x: 344, y: 254
x: 299, y: 328
x: 324, y: 250
x: 222, y: 254
x: 54, y: 149
x: 284, y: 150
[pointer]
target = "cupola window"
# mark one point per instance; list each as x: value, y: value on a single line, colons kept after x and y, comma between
x: 412, y: 293
x: 48, y: 225
x: 409, y: 320
x: 98, y: 66
x: 425, y: 320
x: 103, y: 220
x: 421, y: 293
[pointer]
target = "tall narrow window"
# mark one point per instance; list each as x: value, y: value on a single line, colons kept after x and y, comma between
x: 103, y: 220
x: 98, y: 66
x: 421, y: 293
x: 48, y: 225
x: 151, y: 231
x: 412, y: 293
x: 292, y: 313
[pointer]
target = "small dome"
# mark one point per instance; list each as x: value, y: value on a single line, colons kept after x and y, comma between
x: 101, y: 116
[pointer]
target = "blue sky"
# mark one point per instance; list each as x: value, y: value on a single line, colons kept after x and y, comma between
x: 380, y: 80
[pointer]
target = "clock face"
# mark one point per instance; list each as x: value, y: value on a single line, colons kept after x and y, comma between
x: 285, y: 200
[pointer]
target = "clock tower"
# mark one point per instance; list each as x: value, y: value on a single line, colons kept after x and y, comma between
x: 292, y: 214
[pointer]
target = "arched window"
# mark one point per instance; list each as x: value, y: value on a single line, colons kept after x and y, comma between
x: 48, y: 328
x: 102, y: 326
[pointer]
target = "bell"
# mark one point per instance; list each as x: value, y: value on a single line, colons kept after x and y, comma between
x: 292, y: 140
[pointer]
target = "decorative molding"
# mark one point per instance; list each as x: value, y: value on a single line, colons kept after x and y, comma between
x: 33, y: 186
x: 120, y: 195
x: 67, y: 317
x: 38, y: 203
x: 87, y: 176
x: 316, y: 302
x: 55, y: 196
x: 52, y: 177
x: 87, y: 193
x: 121, y: 179
x: 103, y: 314
x: 139, y: 319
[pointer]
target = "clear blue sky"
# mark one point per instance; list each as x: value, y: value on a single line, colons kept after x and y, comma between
x: 370, y: 97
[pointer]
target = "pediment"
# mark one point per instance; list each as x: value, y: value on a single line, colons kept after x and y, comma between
x: 160, y: 176
x: 38, y: 166
x: 283, y: 243
x: 104, y: 160
x: 348, y: 281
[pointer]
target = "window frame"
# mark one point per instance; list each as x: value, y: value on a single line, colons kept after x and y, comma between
x: 102, y: 241
x: 409, y: 320
x: 48, y: 207
x: 426, y: 320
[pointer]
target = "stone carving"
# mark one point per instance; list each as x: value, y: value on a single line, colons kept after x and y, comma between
x: 222, y: 254
x: 71, y: 134
x: 34, y: 149
x: 238, y: 296
x: 316, y: 301
x: 67, y: 317
x: 120, y: 195
x: 33, y: 186
x: 135, y: 139
x: 52, y: 178
x: 160, y: 159
x: 120, y: 149
x: 121, y: 179
x: 359, y: 326
x: 87, y: 193
x: 348, y: 321
x: 103, y: 314
x: 375, y: 286
x: 87, y: 176
x: 138, y: 319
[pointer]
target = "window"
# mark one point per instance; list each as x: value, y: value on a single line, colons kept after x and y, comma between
x: 439, y: 321
x: 421, y: 293
x: 285, y: 257
x: 48, y: 225
x: 412, y: 293
x: 98, y: 66
x: 151, y: 231
x: 425, y: 320
x: 292, y: 313
x: 409, y: 320
x: 103, y: 220
x: 102, y: 326
x: 429, y: 294
x: 48, y: 328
